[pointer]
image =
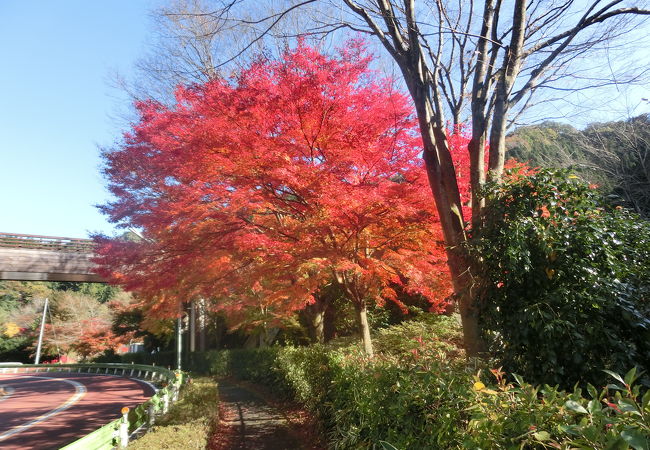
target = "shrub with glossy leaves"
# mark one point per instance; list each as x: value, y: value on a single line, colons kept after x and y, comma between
x: 566, y: 280
x: 519, y: 415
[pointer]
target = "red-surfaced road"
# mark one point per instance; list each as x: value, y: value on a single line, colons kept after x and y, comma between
x: 50, y: 410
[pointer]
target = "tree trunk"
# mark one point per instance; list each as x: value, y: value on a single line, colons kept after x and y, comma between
x: 202, y: 324
x: 314, y: 316
x: 480, y: 91
x: 316, y: 327
x: 476, y: 149
x: 444, y: 186
x: 268, y: 336
x: 466, y: 288
x: 422, y: 81
x: 192, y: 330
x: 364, y: 327
x: 509, y: 72
x: 498, y: 133
x: 329, y: 323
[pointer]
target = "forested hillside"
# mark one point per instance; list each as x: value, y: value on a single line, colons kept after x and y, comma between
x: 613, y: 155
x: 79, y: 320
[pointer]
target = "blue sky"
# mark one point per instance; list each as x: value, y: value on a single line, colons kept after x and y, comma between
x: 56, y: 107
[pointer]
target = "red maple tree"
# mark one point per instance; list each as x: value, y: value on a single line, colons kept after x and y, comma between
x: 259, y: 190
x: 96, y: 337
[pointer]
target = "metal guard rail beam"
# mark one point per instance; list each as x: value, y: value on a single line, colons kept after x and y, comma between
x: 116, y: 433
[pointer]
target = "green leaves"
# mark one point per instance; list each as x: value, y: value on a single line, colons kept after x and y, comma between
x: 630, y: 377
x: 635, y: 439
x: 523, y: 416
x: 387, y: 445
x: 615, y: 375
x: 565, y: 278
x: 542, y: 436
x: 575, y: 407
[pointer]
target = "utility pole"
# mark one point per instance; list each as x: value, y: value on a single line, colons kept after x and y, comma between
x: 40, y: 335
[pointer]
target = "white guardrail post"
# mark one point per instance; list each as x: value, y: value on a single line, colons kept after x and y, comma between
x: 151, y: 411
x: 165, y: 402
x: 124, y: 428
x: 177, y: 385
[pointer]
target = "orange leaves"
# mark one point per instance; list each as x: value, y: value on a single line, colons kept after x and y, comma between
x: 259, y: 190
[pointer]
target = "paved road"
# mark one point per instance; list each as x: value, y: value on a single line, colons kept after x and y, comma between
x: 50, y: 410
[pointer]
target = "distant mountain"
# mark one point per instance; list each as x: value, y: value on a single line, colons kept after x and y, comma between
x: 613, y: 155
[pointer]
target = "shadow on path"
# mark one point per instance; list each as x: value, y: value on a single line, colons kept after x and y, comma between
x: 249, y: 422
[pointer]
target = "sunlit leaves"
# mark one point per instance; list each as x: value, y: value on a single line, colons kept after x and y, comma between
x: 258, y: 190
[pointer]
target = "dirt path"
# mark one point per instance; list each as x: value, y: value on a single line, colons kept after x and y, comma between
x: 251, y: 420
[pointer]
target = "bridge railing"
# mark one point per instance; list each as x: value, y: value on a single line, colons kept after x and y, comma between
x: 117, y: 432
x: 34, y: 242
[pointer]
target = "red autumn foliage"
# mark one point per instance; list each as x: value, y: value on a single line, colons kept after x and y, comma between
x: 257, y: 191
x: 95, y: 338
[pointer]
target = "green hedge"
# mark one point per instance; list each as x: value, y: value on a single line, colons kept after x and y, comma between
x: 359, y: 402
x: 420, y: 403
x: 420, y: 392
x: 165, y: 359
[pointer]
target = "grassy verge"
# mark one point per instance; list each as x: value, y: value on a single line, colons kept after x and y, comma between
x: 189, y: 422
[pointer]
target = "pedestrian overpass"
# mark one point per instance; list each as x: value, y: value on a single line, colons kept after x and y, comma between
x: 25, y: 257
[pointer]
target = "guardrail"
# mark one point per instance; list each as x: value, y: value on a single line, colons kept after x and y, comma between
x: 34, y: 242
x: 116, y: 433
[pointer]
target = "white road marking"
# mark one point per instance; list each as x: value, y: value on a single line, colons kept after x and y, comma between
x: 80, y: 391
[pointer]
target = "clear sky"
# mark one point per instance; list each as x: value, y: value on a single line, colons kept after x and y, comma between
x: 56, y: 107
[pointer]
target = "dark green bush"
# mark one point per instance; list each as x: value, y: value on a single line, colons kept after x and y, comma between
x: 212, y: 362
x: 404, y: 405
x: 566, y: 280
x: 16, y: 349
x: 165, y: 358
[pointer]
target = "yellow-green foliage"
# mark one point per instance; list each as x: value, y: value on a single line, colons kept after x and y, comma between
x: 428, y: 334
x: 189, y: 423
